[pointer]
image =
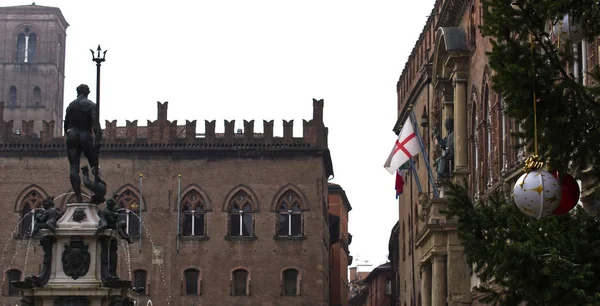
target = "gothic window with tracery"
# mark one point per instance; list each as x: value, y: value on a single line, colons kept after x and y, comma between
x: 130, y: 201
x: 289, y: 215
x: 32, y: 200
x: 193, y: 221
x: 241, y: 215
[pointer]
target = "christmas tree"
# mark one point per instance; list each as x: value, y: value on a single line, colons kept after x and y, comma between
x: 555, y: 260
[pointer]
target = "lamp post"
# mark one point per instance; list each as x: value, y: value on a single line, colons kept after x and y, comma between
x: 98, y: 59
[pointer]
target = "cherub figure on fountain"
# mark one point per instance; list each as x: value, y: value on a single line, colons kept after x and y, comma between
x: 113, y: 218
x: 47, y: 218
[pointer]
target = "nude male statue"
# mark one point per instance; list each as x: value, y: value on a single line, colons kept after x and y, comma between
x: 80, y: 121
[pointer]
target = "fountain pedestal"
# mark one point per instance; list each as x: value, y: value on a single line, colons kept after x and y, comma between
x: 79, y: 266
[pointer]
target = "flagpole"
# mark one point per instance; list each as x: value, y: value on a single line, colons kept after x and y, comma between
x: 141, y: 209
x: 178, y: 211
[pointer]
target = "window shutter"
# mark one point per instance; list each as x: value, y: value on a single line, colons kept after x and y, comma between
x: 302, y: 229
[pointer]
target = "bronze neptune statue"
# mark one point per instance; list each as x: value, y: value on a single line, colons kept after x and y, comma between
x: 81, y: 120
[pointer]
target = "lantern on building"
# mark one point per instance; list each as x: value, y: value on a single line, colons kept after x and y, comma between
x: 537, y: 193
x: 568, y: 29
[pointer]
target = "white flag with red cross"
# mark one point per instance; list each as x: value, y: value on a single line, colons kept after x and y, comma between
x: 404, y: 149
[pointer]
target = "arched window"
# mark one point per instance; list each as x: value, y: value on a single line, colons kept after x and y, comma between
x: 290, y: 282
x: 13, y: 275
x: 289, y: 215
x: 241, y: 215
x: 32, y: 200
x: 129, y: 201
x: 193, y: 222
x: 140, y: 278
x: 26, y: 46
x: 488, y: 136
x: 240, y: 282
x: 37, y: 96
x: 192, y: 280
x: 12, y: 96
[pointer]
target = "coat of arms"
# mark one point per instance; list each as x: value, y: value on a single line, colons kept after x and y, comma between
x: 76, y: 258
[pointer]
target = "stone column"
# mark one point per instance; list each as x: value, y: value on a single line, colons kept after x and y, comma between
x: 426, y: 284
x: 461, y: 145
x: 438, y: 281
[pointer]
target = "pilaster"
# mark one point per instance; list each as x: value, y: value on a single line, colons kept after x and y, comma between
x: 439, y: 281
x: 426, y: 284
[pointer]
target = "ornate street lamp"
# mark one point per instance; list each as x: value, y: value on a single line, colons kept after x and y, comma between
x: 98, y: 59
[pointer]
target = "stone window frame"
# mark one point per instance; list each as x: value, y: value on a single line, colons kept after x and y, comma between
x: 232, y: 280
x: 186, y: 279
x: 290, y: 205
x: 283, y: 281
x: 30, y: 198
x: 25, y: 32
x: 241, y: 196
x: 205, y: 206
x: 132, y: 209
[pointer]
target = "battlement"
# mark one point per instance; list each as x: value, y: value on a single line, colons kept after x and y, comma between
x: 161, y: 132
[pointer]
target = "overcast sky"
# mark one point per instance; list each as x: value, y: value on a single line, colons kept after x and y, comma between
x: 258, y: 59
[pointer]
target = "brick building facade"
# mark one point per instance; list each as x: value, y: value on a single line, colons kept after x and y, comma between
x: 447, y: 76
x: 339, y: 255
x: 253, y: 218
x: 32, y: 68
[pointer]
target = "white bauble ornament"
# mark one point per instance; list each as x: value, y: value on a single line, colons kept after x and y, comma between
x: 537, y: 193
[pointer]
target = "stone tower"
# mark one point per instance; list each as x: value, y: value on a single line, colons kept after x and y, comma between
x: 32, y: 65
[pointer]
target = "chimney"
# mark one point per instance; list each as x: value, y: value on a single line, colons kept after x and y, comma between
x: 162, y: 111
x: 318, y: 111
